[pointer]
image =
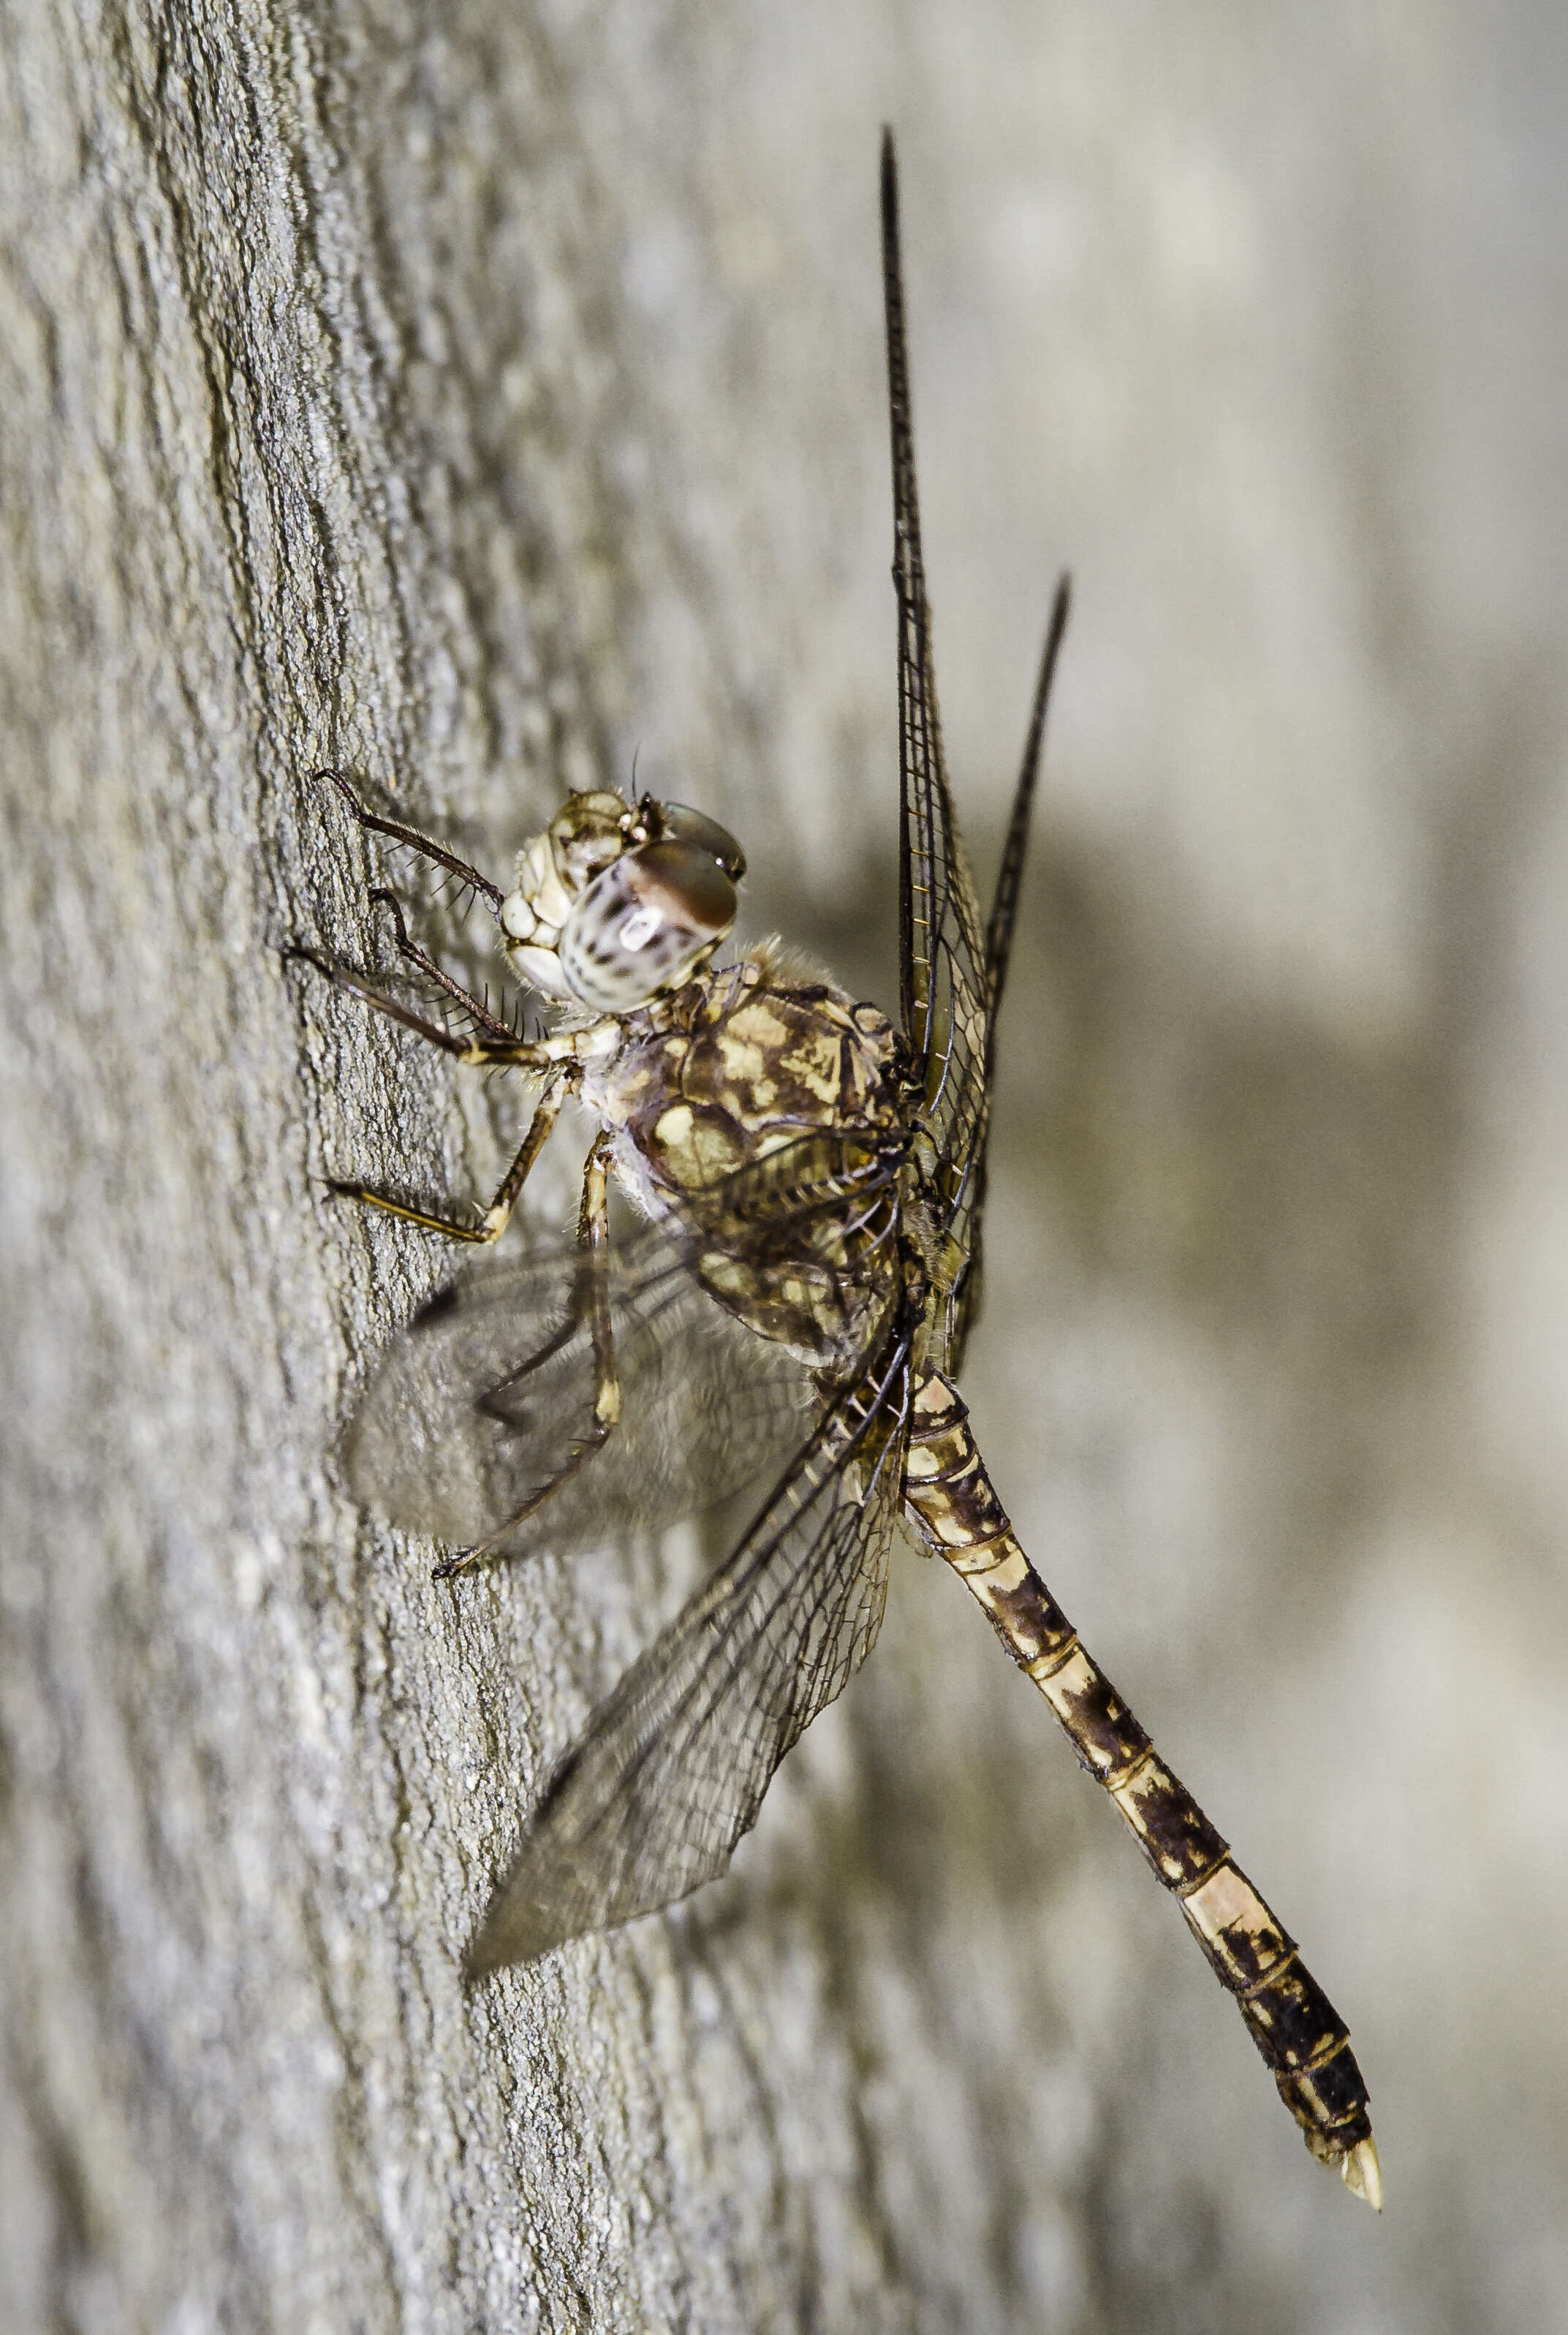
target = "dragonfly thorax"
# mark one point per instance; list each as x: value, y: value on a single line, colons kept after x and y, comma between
x: 763, y: 1104
x: 616, y: 902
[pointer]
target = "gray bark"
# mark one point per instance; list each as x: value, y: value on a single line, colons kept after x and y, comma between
x: 468, y: 396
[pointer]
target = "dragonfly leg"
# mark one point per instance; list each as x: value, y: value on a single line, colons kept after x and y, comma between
x: 1302, y: 2039
x: 484, y: 1020
x: 482, y: 1049
x: 425, y: 844
x: 494, y: 1221
x: 424, y: 962
x: 591, y: 1299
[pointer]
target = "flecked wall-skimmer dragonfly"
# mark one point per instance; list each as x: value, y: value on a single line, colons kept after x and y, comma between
x: 792, y: 1302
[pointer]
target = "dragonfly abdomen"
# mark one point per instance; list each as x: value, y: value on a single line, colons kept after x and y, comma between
x: 950, y: 1500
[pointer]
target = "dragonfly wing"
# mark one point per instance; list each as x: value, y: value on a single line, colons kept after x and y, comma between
x: 490, y: 1390
x: 671, y: 1770
x: 966, y: 1297
x: 942, y: 963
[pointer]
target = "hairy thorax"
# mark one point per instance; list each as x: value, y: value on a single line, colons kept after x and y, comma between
x: 761, y: 1063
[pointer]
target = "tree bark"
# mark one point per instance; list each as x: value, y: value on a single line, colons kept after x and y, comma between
x: 466, y: 397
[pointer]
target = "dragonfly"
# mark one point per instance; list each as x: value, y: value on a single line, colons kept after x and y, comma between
x: 786, y: 1299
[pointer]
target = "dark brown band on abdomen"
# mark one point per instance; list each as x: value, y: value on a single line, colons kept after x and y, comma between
x: 951, y: 1502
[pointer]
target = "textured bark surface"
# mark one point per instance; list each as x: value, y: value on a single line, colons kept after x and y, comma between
x: 468, y: 396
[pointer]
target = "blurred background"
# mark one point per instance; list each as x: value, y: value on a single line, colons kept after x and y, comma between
x: 1257, y: 320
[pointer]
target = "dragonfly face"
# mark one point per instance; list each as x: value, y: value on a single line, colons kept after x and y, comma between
x: 616, y: 901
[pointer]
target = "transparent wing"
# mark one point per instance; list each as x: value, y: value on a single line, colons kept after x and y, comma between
x: 942, y: 965
x: 964, y: 1302
x: 490, y: 1390
x: 673, y: 1765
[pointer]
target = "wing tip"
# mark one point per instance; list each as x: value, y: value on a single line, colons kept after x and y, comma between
x: 516, y: 1929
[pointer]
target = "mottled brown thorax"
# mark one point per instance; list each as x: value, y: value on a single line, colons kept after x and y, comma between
x: 727, y: 1072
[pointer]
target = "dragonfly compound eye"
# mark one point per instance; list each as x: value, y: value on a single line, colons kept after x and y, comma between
x: 684, y: 825
x: 642, y: 924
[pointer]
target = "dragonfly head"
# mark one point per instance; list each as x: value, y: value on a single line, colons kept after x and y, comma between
x: 616, y: 901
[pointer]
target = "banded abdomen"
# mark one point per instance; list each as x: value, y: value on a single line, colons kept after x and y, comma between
x: 1303, y: 2040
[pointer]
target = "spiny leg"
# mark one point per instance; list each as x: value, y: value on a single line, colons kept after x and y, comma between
x: 424, y: 962
x: 541, y: 1054
x: 1302, y: 2039
x: 407, y: 948
x: 424, y: 843
x: 591, y: 1297
x: 494, y: 1221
